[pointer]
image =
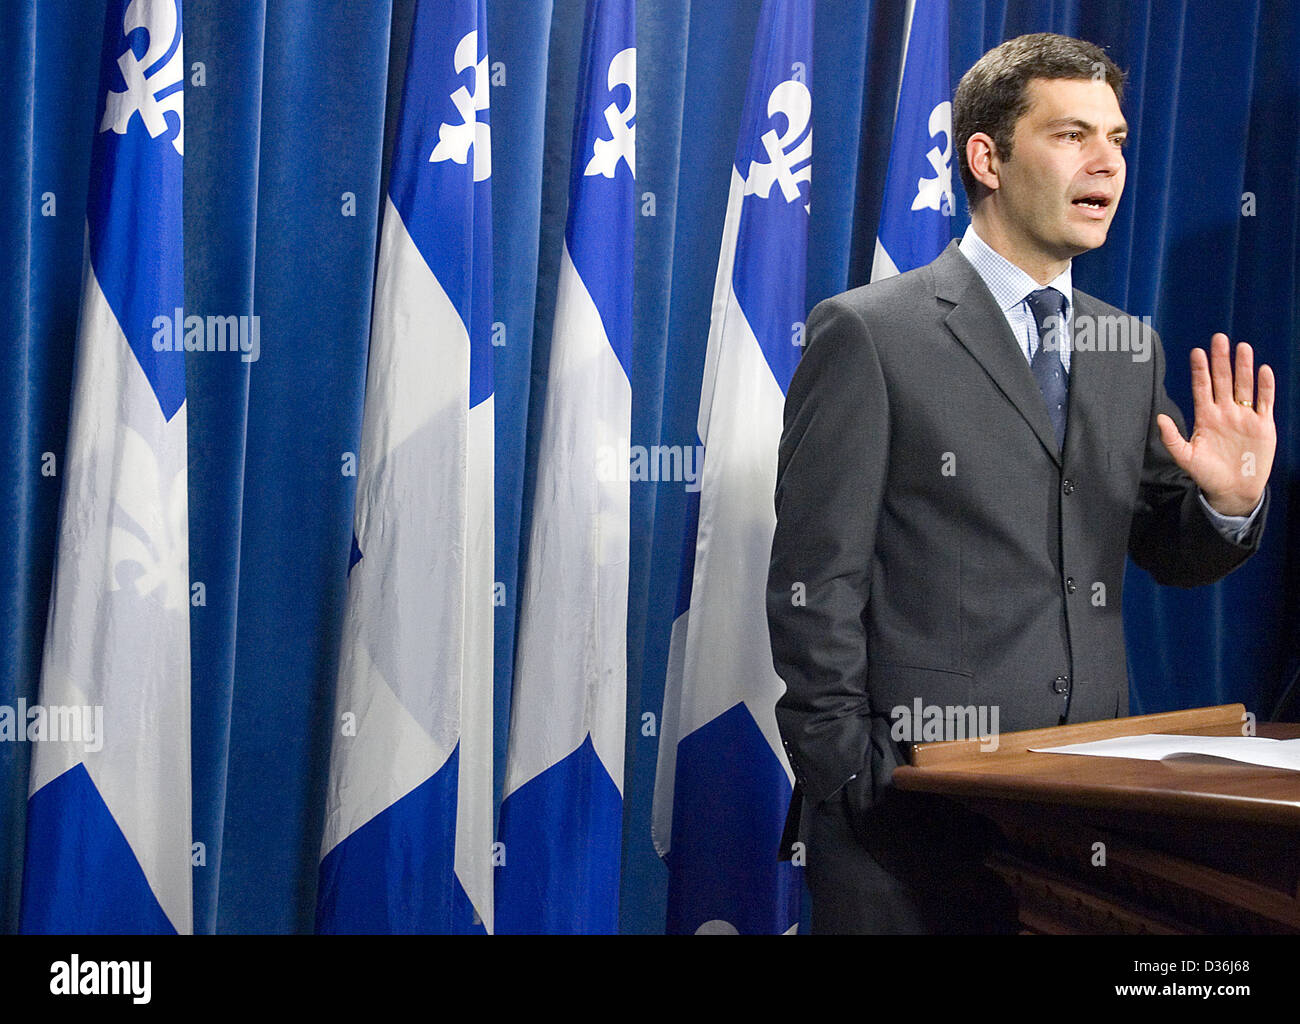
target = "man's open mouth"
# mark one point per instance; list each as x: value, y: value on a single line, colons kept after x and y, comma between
x: 1093, y: 201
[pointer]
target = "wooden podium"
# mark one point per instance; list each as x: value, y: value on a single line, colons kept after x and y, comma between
x: 1118, y: 845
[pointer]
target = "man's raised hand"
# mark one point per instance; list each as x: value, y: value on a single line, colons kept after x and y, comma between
x: 1230, y: 452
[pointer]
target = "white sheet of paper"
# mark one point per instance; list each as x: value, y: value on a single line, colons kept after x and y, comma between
x: 1156, y: 747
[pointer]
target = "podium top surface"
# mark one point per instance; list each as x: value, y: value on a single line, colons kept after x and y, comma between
x: 1212, y: 790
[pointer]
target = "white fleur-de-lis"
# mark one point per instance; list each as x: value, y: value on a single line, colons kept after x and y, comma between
x: 789, y: 155
x: 936, y: 193
x: 621, y: 144
x: 455, y: 140
x: 144, y: 79
x: 156, y: 510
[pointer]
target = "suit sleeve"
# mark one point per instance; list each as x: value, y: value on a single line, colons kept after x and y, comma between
x: 831, y: 471
x: 1172, y: 537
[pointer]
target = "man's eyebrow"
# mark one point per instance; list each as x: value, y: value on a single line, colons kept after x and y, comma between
x: 1082, y: 125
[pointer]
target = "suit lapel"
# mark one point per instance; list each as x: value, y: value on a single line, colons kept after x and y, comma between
x: 980, y: 326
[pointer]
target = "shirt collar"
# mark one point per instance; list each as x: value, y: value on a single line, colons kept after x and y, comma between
x: 1008, y: 283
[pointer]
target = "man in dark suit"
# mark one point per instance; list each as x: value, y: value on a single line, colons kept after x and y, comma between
x: 969, y: 452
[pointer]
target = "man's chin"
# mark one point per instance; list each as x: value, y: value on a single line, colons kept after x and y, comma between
x: 1085, y: 241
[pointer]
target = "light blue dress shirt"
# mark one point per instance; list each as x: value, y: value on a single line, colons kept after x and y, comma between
x: 1011, y: 287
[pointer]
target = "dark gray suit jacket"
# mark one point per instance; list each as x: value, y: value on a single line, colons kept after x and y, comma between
x: 932, y: 541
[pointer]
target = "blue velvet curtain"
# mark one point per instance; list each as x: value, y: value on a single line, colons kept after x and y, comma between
x: 290, y: 108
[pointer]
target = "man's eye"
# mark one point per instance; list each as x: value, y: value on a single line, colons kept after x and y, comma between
x: 1072, y: 136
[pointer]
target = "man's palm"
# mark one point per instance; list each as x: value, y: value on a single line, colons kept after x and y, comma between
x: 1230, y: 452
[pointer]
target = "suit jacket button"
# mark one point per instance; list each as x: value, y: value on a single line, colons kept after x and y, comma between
x: 1068, y: 487
x: 1061, y: 684
x: 1070, y: 588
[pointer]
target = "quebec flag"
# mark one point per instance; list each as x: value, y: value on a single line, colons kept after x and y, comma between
x: 561, y: 819
x: 108, y: 818
x: 407, y: 845
x: 723, y: 784
x: 916, y: 217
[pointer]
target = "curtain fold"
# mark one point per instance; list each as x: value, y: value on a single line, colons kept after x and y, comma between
x: 27, y: 552
x: 224, y: 123
x: 323, y: 96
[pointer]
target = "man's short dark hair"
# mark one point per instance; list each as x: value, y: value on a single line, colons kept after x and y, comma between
x: 993, y: 95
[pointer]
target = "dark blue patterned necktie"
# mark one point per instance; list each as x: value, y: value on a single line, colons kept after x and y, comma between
x: 1048, y: 307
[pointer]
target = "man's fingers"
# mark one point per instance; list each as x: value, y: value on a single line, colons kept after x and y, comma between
x: 1220, y: 368
x: 1243, y: 380
x: 1266, y: 392
x: 1173, y: 440
x: 1202, y: 392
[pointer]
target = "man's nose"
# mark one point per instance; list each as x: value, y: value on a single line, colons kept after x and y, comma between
x: 1105, y: 158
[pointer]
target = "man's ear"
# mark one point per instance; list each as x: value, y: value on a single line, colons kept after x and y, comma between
x: 982, y: 157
